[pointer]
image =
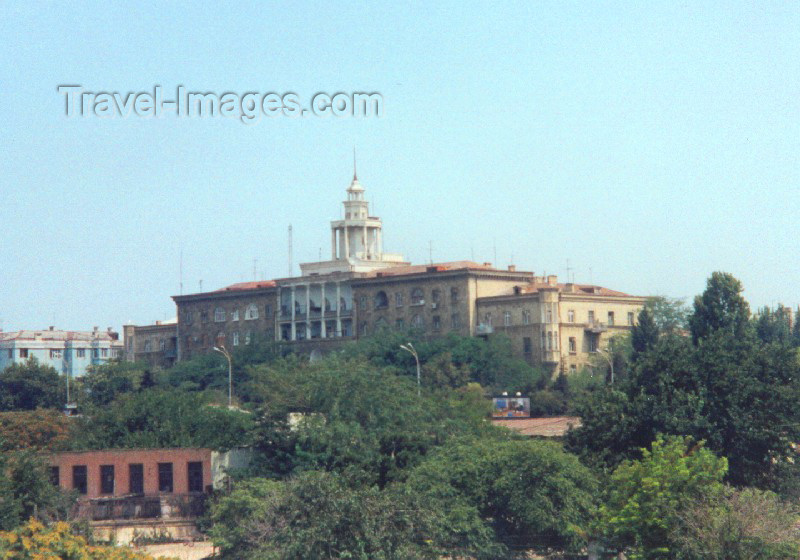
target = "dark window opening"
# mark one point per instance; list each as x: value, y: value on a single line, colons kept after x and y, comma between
x: 136, y: 478
x: 55, y: 476
x: 195, y: 469
x: 79, y: 478
x: 106, y: 479
x: 165, y: 477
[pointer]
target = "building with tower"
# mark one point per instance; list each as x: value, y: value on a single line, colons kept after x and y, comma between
x: 361, y: 290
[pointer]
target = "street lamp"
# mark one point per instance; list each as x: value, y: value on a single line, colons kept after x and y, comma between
x: 411, y: 350
x: 610, y: 362
x: 227, y: 355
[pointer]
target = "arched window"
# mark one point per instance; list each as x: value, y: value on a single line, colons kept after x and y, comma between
x: 148, y: 346
x: 417, y: 297
x: 219, y: 315
x: 417, y: 322
x: 251, y: 312
x: 381, y: 300
x: 436, y: 296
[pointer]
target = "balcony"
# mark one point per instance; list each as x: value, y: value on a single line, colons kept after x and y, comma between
x: 595, y: 327
x: 183, y: 506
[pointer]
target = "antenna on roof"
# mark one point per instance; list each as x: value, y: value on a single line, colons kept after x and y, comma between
x: 430, y: 251
x: 290, y: 249
x: 180, y: 272
x: 201, y: 285
x: 494, y: 244
x: 355, y: 174
x: 255, y: 276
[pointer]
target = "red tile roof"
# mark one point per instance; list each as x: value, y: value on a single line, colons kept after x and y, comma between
x: 248, y: 286
x: 555, y: 426
x: 421, y: 268
x: 585, y: 289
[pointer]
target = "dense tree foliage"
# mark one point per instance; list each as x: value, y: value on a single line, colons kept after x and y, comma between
x: 31, y: 385
x: 35, y: 541
x: 720, y: 309
x: 161, y: 418
x: 646, y: 497
x: 35, y: 429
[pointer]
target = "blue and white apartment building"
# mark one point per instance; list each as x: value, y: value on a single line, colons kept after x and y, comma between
x: 69, y: 352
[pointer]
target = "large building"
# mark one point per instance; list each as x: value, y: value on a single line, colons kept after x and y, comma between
x: 69, y: 352
x: 362, y: 290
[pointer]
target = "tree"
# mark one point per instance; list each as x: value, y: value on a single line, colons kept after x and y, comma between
x: 646, y: 497
x: 319, y: 515
x: 160, y: 418
x: 103, y: 383
x: 35, y: 541
x: 34, y: 429
x: 645, y: 332
x: 30, y: 385
x: 721, y: 307
x: 531, y: 493
x: 773, y: 326
x: 739, y: 524
x: 669, y: 314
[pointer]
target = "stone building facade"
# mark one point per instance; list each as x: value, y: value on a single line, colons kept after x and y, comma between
x: 362, y: 290
x: 156, y: 345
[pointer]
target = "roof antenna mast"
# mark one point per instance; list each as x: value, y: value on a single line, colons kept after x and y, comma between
x: 355, y: 174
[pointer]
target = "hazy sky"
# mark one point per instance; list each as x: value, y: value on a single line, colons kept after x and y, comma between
x: 648, y: 144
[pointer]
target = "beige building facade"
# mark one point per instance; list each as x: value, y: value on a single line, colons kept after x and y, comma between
x: 361, y: 290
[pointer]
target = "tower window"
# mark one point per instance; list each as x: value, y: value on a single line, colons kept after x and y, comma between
x: 417, y: 297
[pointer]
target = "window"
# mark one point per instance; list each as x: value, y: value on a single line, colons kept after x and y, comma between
x: 79, y: 478
x: 592, y: 344
x: 549, y: 316
x: 453, y: 295
x: 398, y: 299
x: 381, y: 300
x: 204, y: 316
x: 399, y: 324
x: 248, y: 336
x: 527, y: 347
x: 526, y: 317
x: 436, y: 323
x: 455, y: 321
x: 96, y: 353
x: 188, y: 318
x: 573, y: 368
x: 104, y: 352
x: 195, y: 472
x: 54, y: 475
x: 81, y: 352
x: 630, y: 318
x: 268, y: 310
x: 148, y: 345
x: 417, y: 297
x: 136, y: 478
x: 219, y: 315
x: 236, y: 339
x: 549, y: 341
x: 165, y: 477
x: 162, y: 344
x: 507, y: 318
x: 106, y: 479
x: 591, y: 316
x: 23, y: 352
x: 610, y: 318
x: 570, y: 316
x: 487, y: 318
x: 436, y: 296
x: 10, y: 353
x: 235, y: 315
x: 55, y: 354
x: 417, y: 322
x: 362, y: 328
x: 543, y: 340
x: 251, y: 312
x: 573, y: 345
x: 362, y: 303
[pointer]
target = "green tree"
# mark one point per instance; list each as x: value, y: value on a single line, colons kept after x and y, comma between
x: 644, y: 334
x: 669, y: 314
x: 645, y: 498
x: 739, y: 524
x: 773, y: 325
x: 531, y: 493
x: 31, y: 385
x: 103, y: 383
x: 721, y: 307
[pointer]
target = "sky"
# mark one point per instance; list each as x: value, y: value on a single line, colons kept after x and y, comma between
x: 640, y: 145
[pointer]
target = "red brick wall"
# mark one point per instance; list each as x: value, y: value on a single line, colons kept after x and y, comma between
x: 149, y: 458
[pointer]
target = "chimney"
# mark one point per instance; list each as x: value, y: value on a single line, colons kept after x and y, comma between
x: 487, y: 264
x: 51, y: 327
x: 512, y: 268
x: 570, y: 288
x: 552, y: 280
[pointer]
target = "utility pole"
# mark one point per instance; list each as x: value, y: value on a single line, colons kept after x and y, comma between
x: 411, y: 350
x: 227, y: 355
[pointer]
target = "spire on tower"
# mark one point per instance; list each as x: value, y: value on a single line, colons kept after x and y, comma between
x: 355, y: 175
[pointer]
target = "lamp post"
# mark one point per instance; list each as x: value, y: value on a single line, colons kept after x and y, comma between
x: 227, y: 355
x: 610, y: 361
x: 411, y: 350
